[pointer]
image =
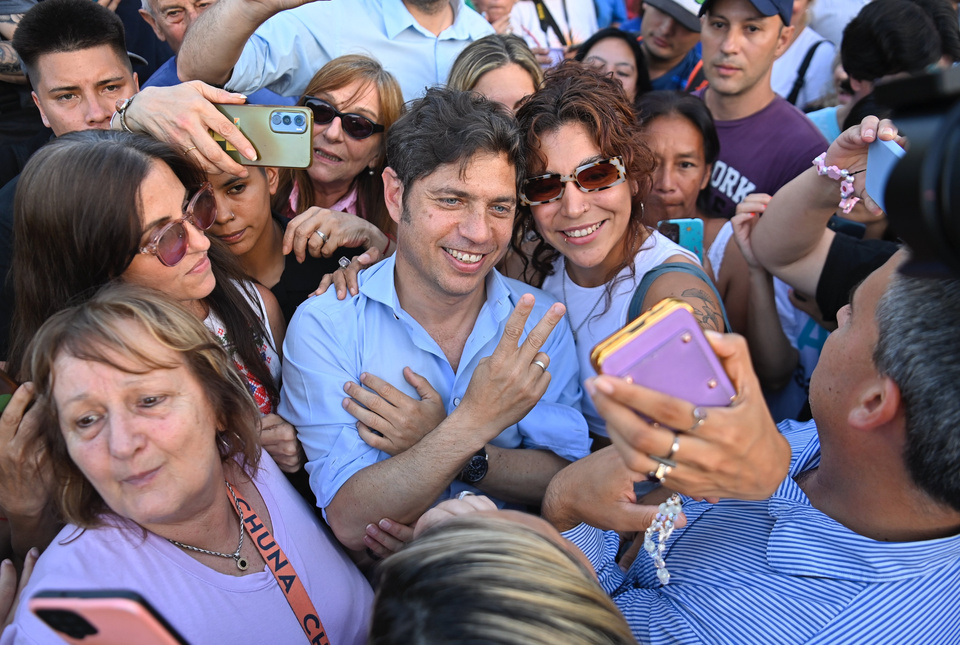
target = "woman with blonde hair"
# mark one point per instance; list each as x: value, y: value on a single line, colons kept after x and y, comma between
x: 338, y: 200
x: 501, y: 67
x: 494, y: 577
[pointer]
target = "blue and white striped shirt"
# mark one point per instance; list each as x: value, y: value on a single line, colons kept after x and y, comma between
x: 780, y: 571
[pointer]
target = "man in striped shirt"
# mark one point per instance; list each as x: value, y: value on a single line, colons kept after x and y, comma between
x: 859, y: 543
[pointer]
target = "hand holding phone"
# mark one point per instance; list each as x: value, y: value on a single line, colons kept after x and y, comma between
x: 282, y: 136
x: 735, y: 451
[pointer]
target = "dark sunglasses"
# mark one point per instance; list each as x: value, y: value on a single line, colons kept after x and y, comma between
x: 169, y: 243
x: 589, y: 178
x: 356, y: 125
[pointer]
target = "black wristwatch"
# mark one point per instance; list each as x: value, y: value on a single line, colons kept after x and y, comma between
x: 475, y: 469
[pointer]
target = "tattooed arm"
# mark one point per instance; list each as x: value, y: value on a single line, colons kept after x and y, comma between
x: 10, y: 70
x: 691, y: 290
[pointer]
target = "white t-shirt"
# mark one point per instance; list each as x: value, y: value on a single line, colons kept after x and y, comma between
x: 582, y: 24
x: 819, y: 74
x: 590, y: 317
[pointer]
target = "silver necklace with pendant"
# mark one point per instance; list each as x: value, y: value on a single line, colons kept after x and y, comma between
x: 242, y: 563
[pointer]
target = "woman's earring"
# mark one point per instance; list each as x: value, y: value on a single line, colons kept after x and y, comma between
x: 370, y: 171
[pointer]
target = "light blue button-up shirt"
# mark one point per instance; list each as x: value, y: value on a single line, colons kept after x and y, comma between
x: 330, y: 342
x: 288, y: 49
x: 780, y: 571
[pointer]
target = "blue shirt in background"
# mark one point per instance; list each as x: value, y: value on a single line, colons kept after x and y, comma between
x: 288, y: 49
x: 166, y: 76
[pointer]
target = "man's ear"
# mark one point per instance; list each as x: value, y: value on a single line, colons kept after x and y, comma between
x: 393, y: 193
x: 877, y: 406
x: 43, y: 116
x: 146, y: 15
x: 786, y: 33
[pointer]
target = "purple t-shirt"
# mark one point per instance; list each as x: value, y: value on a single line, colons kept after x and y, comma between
x: 760, y: 153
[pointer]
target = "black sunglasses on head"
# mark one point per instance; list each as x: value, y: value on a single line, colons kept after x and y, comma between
x: 356, y: 125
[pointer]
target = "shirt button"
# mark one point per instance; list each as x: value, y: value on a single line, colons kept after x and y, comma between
x: 456, y: 401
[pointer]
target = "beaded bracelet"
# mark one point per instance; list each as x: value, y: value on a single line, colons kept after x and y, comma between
x: 662, y: 527
x: 847, y: 201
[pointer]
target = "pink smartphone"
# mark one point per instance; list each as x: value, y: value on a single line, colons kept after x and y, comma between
x: 103, y: 617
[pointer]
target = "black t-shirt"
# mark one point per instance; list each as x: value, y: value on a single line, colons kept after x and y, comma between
x: 300, y: 280
x: 848, y: 262
x: 6, y: 259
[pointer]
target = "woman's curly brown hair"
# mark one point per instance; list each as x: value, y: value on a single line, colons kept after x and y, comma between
x: 576, y: 93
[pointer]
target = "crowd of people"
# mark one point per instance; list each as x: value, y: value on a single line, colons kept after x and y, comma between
x: 359, y: 402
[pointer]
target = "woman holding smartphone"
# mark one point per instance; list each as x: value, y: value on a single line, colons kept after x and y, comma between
x: 588, y: 171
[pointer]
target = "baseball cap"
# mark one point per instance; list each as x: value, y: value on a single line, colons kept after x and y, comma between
x: 765, y: 7
x: 683, y: 11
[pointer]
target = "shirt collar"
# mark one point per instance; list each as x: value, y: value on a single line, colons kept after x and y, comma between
x: 397, y: 18
x: 806, y: 542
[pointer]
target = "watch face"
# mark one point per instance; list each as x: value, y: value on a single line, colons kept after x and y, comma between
x: 475, y: 470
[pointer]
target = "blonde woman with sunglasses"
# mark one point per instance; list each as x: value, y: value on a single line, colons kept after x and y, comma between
x: 588, y: 171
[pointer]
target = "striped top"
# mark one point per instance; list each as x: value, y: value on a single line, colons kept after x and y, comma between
x: 780, y: 571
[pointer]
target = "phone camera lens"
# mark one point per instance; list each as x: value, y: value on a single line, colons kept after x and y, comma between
x: 286, y: 119
x: 275, y: 119
x: 299, y: 120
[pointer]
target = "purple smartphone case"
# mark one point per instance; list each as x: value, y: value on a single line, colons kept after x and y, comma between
x: 673, y: 356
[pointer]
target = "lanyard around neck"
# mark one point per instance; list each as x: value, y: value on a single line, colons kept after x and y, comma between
x: 281, y: 568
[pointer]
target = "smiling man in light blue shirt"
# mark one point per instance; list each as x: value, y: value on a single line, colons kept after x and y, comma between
x: 499, y: 353
x: 248, y: 44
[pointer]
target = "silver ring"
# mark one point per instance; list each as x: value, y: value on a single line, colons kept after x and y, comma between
x: 541, y: 365
x: 343, y: 262
x: 699, y: 416
x: 673, y: 447
x: 323, y: 236
x: 464, y: 493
